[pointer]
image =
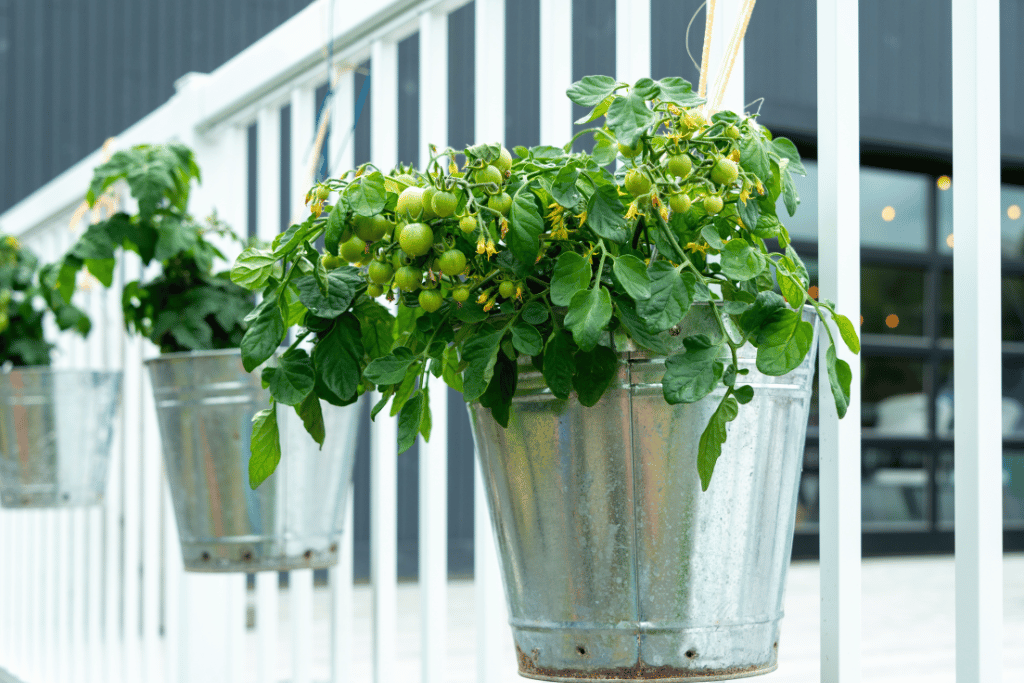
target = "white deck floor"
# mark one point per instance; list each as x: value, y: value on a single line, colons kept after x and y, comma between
x: 908, y: 627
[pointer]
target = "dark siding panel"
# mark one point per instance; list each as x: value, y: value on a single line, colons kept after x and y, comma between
x: 409, y: 101
x: 252, y: 154
x: 361, y: 136
x: 321, y: 98
x: 522, y: 73
x: 781, y: 66
x: 286, y: 165
x: 593, y: 48
x: 1012, y: 79
x: 461, y: 87
x: 6, y: 102
x: 669, y: 19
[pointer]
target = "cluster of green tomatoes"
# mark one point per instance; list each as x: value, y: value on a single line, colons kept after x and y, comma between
x: 422, y: 244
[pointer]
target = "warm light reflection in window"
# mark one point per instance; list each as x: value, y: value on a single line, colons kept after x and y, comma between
x: 813, y: 291
x: 949, y: 240
x: 1013, y: 212
x: 888, y: 213
x: 944, y: 182
x: 892, y: 320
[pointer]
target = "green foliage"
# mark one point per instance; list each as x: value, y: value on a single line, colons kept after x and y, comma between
x: 26, y: 296
x: 186, y: 306
x: 565, y: 261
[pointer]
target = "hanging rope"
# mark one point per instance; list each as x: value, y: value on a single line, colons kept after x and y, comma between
x: 731, y: 53
x: 705, y: 60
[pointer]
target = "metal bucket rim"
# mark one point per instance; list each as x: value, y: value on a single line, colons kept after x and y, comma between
x: 187, y: 355
x: 39, y: 370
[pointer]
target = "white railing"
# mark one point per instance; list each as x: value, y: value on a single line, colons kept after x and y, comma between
x: 100, y: 594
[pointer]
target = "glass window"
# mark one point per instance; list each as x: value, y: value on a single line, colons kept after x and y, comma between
x: 894, y: 490
x: 1013, y: 398
x: 892, y: 300
x: 893, y: 400
x: 1011, y: 206
x: 1013, y: 489
x: 893, y: 209
x: 1012, y: 306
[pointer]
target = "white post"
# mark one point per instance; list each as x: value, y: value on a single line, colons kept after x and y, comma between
x: 491, y: 613
x: 302, y: 138
x: 268, y: 172
x: 632, y: 40
x: 977, y: 370
x: 839, y: 268
x: 555, y: 71
x: 433, y: 474
x: 384, y: 438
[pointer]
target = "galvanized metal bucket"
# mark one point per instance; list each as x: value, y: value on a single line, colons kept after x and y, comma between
x: 617, y: 567
x: 56, y: 429
x: 206, y: 401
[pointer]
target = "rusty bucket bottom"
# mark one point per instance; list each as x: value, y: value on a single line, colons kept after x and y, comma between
x: 256, y: 554
x: 572, y: 653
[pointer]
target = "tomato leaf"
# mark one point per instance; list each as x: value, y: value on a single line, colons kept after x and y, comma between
x: 740, y: 261
x: 628, y: 117
x: 631, y: 273
x: 588, y: 316
x: 692, y: 375
x: 605, y: 214
x: 846, y: 330
x: 367, y: 196
x: 595, y: 371
x: 480, y: 352
x: 527, y: 340
x: 392, y: 368
x: 253, y: 268
x: 783, y: 343
x: 678, y: 91
x: 559, y: 364
x: 839, y: 379
x: 266, y: 330
x: 671, y: 296
x: 265, y: 446
x: 591, y: 90
x: 409, y: 422
x: 709, y: 448
x: 754, y: 156
x: 343, y: 285
x: 785, y: 149
x: 572, y: 274
x: 524, y: 227
x: 292, y: 379
x: 337, y: 356
x: 563, y: 187
x: 312, y: 417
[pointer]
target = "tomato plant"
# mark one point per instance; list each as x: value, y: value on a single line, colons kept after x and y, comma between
x: 559, y: 256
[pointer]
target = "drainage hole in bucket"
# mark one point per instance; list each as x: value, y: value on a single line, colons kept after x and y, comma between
x: 691, y: 654
x: 205, y: 556
x: 308, y: 555
x: 247, y: 555
x: 66, y: 496
x: 581, y: 651
x: 775, y: 645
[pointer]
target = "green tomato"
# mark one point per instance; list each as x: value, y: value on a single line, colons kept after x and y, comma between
x: 364, y: 228
x: 490, y: 174
x: 330, y: 261
x: 679, y: 203
x: 725, y: 171
x: 631, y: 152
x: 380, y: 273
x: 428, y: 203
x: 444, y: 204
x: 406, y: 179
x: 416, y: 239
x: 408, y: 278
x: 430, y: 300
x: 637, y: 183
x: 507, y: 289
x: 680, y: 165
x: 501, y: 203
x: 323, y: 192
x: 452, y: 262
x: 732, y: 132
x: 460, y: 293
x: 713, y: 204
x: 410, y: 202
x: 374, y: 290
x: 467, y: 224
x: 353, y: 250
x: 504, y: 161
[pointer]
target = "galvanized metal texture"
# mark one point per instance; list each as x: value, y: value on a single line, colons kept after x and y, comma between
x: 56, y: 428
x: 617, y: 567
x: 206, y: 401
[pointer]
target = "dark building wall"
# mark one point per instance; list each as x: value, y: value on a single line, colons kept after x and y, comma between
x: 74, y: 72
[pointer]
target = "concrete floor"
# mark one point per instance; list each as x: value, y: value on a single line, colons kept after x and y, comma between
x: 907, y: 635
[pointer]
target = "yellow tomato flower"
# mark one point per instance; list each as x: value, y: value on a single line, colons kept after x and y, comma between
x: 694, y: 247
